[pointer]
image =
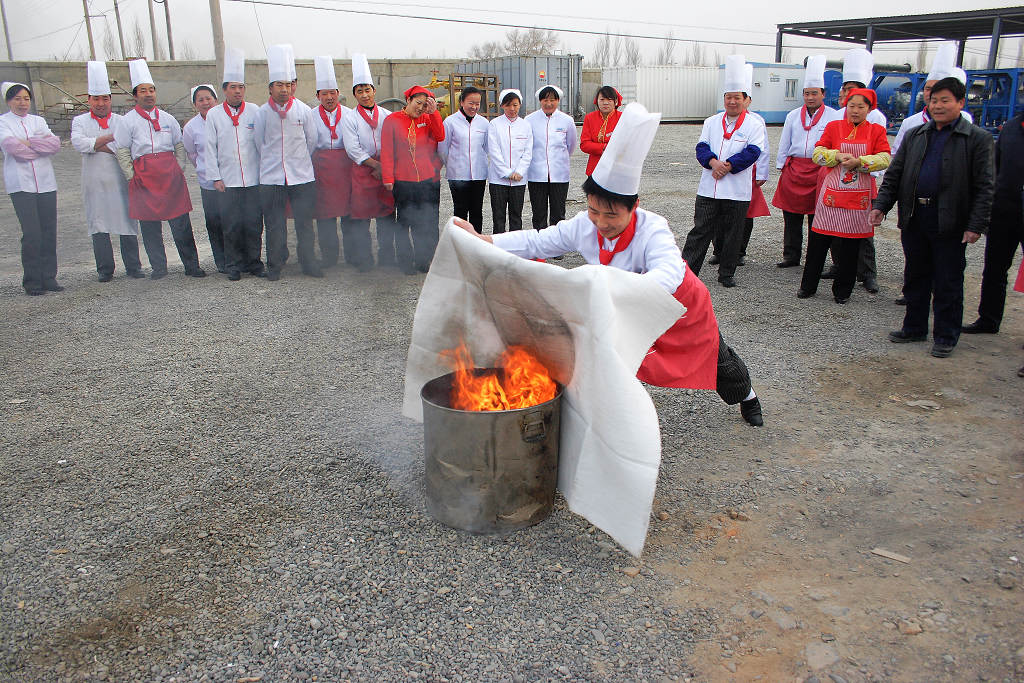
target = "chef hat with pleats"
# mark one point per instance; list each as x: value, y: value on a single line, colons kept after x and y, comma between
x: 748, y: 78
x: 506, y: 91
x: 858, y: 65
x: 361, y: 70
x: 553, y: 87
x: 98, y: 82
x: 814, y: 72
x: 944, y: 62
x: 281, y: 63
x: 234, y: 65
x: 139, y: 70
x: 325, y: 79
x: 622, y: 162
x: 735, y: 75
x: 959, y: 74
x: 7, y: 85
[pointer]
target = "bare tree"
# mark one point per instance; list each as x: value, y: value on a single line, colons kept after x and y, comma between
x: 188, y: 51
x: 109, y: 41
x: 531, y: 41
x: 603, y: 50
x: 922, y: 56
x: 631, y: 55
x: 617, y: 52
x: 487, y: 50
x: 696, y: 55
x: 135, y: 41
x: 666, y: 53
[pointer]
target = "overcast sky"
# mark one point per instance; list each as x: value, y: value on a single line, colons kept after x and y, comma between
x: 48, y: 29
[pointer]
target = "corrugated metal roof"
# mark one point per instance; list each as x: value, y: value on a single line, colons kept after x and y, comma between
x: 913, y: 27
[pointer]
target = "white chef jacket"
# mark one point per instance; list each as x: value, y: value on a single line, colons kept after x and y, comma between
x: 554, y: 141
x: 193, y: 135
x: 912, y: 122
x: 735, y: 186
x: 652, y: 251
x: 232, y: 155
x: 761, y: 165
x: 323, y: 133
x: 137, y: 133
x: 464, y: 148
x: 361, y: 141
x: 26, y: 176
x: 797, y: 142
x: 874, y: 116
x: 104, y: 189
x: 286, y: 145
x: 509, y: 149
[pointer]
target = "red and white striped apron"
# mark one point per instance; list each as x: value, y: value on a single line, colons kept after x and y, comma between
x: 844, y: 200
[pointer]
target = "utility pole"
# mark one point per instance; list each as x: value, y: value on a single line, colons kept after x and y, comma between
x: 7, y: 34
x: 152, y: 30
x: 88, y: 30
x: 167, y: 18
x: 120, y: 31
x: 218, y: 35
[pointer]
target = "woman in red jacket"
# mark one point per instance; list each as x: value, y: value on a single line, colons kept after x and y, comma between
x: 409, y: 168
x: 598, y: 125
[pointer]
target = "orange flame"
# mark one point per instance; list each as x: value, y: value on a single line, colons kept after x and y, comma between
x: 526, y: 382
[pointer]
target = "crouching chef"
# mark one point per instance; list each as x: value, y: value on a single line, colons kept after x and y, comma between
x: 614, y: 231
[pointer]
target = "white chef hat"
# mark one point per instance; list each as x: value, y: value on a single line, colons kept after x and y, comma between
x: 506, y: 91
x: 553, y: 87
x: 281, y: 63
x: 98, y: 82
x: 139, y: 70
x: 622, y: 162
x: 361, y: 70
x: 814, y: 72
x: 748, y: 78
x: 959, y: 74
x: 192, y: 94
x: 735, y: 75
x: 325, y: 79
x: 858, y: 65
x: 944, y: 62
x: 7, y: 85
x: 234, y: 65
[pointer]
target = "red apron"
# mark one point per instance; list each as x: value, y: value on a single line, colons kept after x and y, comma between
x: 333, y: 171
x: 1018, y: 286
x: 686, y: 355
x: 797, y: 188
x: 844, y: 199
x: 157, y: 191
x: 758, y: 206
x: 369, y: 197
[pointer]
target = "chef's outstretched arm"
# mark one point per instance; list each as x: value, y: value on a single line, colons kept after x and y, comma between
x: 465, y: 225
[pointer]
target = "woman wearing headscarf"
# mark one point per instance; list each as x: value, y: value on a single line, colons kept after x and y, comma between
x: 598, y: 125
x: 28, y: 144
x: 851, y: 149
x: 193, y: 136
x: 510, y: 150
x: 554, y: 141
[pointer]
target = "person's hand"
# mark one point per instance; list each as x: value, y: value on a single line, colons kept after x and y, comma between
x: 970, y: 237
x: 464, y: 224
x: 101, y: 143
x: 875, y: 218
x: 760, y: 182
x: 516, y: 177
x: 719, y: 169
x: 389, y: 186
x: 376, y: 172
x: 431, y: 105
x: 851, y: 164
x: 219, y: 186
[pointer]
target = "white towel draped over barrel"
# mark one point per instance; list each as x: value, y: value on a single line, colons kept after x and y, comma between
x: 610, y: 446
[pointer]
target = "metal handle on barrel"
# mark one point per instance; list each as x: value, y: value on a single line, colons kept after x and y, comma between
x: 532, y: 426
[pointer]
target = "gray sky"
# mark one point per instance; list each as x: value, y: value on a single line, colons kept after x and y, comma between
x: 47, y: 29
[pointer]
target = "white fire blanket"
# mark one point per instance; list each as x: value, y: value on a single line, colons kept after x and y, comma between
x: 592, y: 327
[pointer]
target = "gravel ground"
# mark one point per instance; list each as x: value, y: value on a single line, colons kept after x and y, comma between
x: 211, y: 481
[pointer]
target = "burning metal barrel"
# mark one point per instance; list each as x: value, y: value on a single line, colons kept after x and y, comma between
x: 489, y: 470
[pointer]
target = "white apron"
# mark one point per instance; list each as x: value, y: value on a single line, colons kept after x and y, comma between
x: 104, y: 189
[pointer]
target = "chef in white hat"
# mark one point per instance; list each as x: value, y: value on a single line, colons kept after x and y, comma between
x: 286, y: 137
x: 554, y: 141
x: 233, y: 167
x: 614, y: 231
x: 104, y: 189
x: 193, y: 137
x: 795, y: 192
x: 730, y: 144
x: 148, y: 141
x: 943, y: 66
x: 370, y: 199
x: 510, y: 150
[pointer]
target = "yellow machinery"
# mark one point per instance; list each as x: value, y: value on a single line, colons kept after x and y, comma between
x: 487, y: 83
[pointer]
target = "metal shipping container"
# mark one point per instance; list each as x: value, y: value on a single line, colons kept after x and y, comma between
x: 529, y: 74
x: 680, y: 93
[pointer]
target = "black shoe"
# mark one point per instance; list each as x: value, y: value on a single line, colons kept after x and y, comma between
x: 234, y: 276
x: 158, y: 274
x: 136, y: 274
x: 942, y: 349
x: 713, y: 260
x: 979, y: 326
x: 841, y: 299
x: 829, y: 274
x: 787, y: 264
x: 273, y: 275
x: 313, y: 272
x: 34, y: 292
x: 751, y: 412
x: 195, y: 272
x: 743, y: 261
x: 728, y: 281
x: 104, y: 277
x: 52, y: 286
x: 871, y: 284
x: 803, y: 294
x: 902, y: 337
x: 901, y: 301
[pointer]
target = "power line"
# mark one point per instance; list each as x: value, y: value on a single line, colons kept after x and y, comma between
x: 49, y: 33
x: 256, y: 14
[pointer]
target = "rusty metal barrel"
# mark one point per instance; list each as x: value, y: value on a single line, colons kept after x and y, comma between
x: 489, y: 471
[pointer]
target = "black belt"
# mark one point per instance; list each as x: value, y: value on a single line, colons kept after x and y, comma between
x: 925, y: 201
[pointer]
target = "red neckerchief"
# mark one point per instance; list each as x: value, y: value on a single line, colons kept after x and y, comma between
x: 924, y: 115
x: 234, y: 117
x: 104, y: 122
x: 622, y: 241
x: 371, y: 121
x: 725, y: 124
x: 144, y: 114
x: 327, y: 121
x: 803, y: 117
x: 283, y: 113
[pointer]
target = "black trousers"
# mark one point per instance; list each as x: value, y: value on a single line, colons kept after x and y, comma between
x: 934, y: 275
x: 37, y: 213
x: 243, y: 229
x: 184, y: 240
x: 212, y: 212
x: 357, y: 243
x: 327, y: 238
x: 721, y: 220
x: 793, y: 235
x: 468, y: 198
x: 103, y: 250
x: 417, y: 206
x: 512, y: 198
x: 302, y: 198
x: 844, y: 253
x: 1005, y: 235
x: 865, y: 259
x: 733, y: 380
x: 548, y: 203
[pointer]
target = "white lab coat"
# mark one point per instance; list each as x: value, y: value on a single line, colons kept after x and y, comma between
x: 874, y: 116
x: 104, y: 189
x: 26, y: 176
x: 361, y: 141
x: 914, y: 121
x: 734, y: 186
x: 137, y: 134
x: 509, y: 149
x: 232, y: 155
x: 554, y: 141
x: 464, y: 148
x: 323, y: 133
x: 797, y: 142
x: 193, y: 136
x: 286, y: 145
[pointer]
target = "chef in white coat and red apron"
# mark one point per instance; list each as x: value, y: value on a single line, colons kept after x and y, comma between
x: 615, y: 232
x: 151, y: 154
x: 796, y: 192
x: 332, y: 168
x: 104, y: 190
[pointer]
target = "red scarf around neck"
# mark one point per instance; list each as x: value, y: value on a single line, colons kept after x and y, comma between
x: 814, y: 119
x: 104, y: 122
x: 327, y: 121
x: 725, y: 124
x: 234, y: 117
x: 154, y: 121
x: 370, y: 120
x: 283, y: 113
x: 621, y: 242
